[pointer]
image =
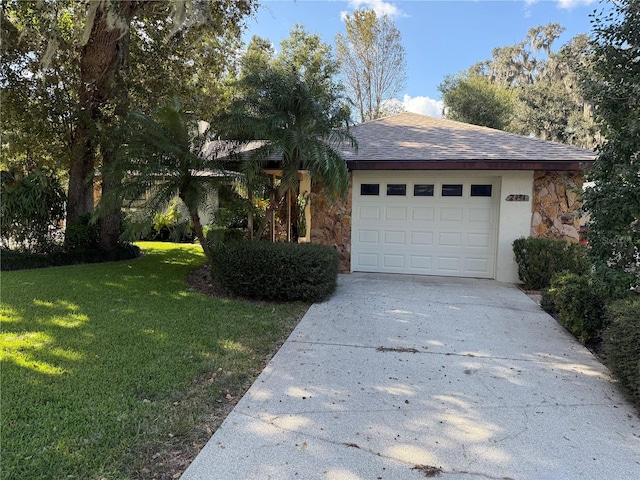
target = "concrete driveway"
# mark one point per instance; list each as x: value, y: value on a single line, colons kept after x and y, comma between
x: 403, y: 377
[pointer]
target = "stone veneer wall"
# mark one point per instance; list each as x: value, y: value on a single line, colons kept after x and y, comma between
x: 331, y: 225
x: 556, y: 204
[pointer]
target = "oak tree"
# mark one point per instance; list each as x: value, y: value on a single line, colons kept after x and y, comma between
x: 78, y: 66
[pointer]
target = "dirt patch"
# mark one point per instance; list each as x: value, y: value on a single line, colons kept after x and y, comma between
x: 428, y: 470
x: 200, y: 280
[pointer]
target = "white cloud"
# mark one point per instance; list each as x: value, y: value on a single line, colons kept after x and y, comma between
x: 570, y: 4
x: 564, y: 4
x: 379, y: 6
x: 423, y: 105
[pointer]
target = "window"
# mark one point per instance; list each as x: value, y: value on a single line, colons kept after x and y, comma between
x: 451, y: 190
x: 396, y: 189
x: 423, y: 190
x: 370, y: 189
x: 481, y: 190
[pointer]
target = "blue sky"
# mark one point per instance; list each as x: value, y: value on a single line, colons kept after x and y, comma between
x: 440, y: 37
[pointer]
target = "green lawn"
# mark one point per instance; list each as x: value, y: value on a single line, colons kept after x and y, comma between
x: 116, y: 371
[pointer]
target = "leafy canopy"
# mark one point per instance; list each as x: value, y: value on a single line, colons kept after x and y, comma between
x: 613, y: 85
x: 473, y: 99
x: 527, y: 88
x: 293, y: 106
x: 169, y: 156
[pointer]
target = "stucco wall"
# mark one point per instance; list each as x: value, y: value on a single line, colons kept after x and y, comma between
x: 514, y: 220
x: 556, y: 204
x: 331, y: 225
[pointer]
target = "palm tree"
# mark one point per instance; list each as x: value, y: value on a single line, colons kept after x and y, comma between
x: 300, y: 121
x: 167, y: 157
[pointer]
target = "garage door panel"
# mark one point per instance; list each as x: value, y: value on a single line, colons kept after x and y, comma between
x: 421, y: 262
x: 423, y: 214
x: 480, y: 215
x: 421, y: 239
x: 476, y: 265
x: 394, y: 237
x: 369, y: 213
x: 369, y: 236
x: 448, y: 264
x: 367, y: 259
x: 393, y: 261
x: 450, y: 239
x: 451, y: 214
x: 428, y: 235
x: 395, y: 213
x: 479, y: 240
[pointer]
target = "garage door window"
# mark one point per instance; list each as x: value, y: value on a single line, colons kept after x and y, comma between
x: 370, y: 189
x: 452, y: 190
x: 423, y: 190
x: 396, y: 189
x: 481, y: 190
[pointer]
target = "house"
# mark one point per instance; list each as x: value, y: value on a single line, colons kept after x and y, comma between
x: 431, y: 196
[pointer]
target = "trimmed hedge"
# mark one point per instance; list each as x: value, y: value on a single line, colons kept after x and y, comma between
x: 217, y: 236
x: 539, y: 259
x: 11, y: 260
x: 276, y: 271
x: 621, y: 344
x: 579, y: 303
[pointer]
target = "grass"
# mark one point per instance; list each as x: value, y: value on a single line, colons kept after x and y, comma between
x: 120, y: 371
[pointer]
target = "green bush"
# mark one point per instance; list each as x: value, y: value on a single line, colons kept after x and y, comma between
x: 32, y: 209
x: 621, y: 344
x: 578, y: 301
x: 217, y: 236
x: 539, y: 259
x: 82, y: 234
x: 613, y: 283
x: 13, y: 260
x: 276, y: 271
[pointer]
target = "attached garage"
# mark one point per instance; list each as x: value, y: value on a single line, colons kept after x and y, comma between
x: 431, y: 196
x: 428, y: 224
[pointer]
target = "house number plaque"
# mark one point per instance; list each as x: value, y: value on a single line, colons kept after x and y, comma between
x: 518, y: 198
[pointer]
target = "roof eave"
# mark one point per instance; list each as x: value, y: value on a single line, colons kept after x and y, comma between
x: 469, y: 164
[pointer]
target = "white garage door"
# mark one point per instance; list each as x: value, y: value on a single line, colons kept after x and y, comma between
x: 424, y: 223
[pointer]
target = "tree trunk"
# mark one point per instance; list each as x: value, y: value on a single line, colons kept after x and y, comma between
x: 81, y: 173
x: 110, y: 219
x: 197, y: 226
x: 101, y: 60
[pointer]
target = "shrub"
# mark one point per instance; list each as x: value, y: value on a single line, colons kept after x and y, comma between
x: 173, y: 224
x: 82, y: 234
x: 217, y: 236
x: 276, y: 271
x: 578, y: 301
x: 12, y: 260
x: 32, y: 209
x: 539, y: 259
x: 621, y: 344
x: 613, y: 283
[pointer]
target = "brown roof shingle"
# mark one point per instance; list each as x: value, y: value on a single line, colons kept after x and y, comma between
x: 414, y: 141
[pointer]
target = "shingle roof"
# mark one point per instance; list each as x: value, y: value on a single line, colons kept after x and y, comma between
x: 422, y: 141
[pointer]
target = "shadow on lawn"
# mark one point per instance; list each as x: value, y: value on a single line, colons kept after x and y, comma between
x: 62, y: 315
x: 97, y: 358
